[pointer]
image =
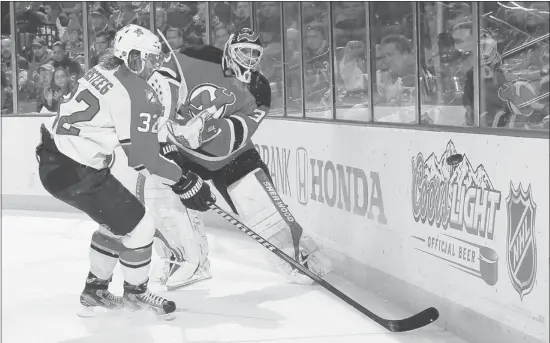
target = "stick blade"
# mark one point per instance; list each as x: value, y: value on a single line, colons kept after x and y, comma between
x: 417, y: 321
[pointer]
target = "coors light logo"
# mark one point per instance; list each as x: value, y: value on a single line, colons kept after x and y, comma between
x: 461, y: 201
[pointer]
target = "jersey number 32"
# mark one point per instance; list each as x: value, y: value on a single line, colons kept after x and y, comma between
x: 65, y: 124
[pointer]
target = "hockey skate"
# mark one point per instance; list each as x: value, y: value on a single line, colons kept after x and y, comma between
x: 141, y: 298
x: 96, y: 298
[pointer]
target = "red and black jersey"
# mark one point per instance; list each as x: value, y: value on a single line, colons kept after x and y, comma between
x: 239, y: 108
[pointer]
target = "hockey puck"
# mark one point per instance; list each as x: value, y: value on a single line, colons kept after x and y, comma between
x: 455, y: 159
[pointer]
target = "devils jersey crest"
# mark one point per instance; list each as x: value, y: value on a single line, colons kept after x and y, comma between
x: 208, y: 95
x: 521, y: 249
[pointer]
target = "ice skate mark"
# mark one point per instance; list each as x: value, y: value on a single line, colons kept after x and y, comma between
x: 224, y: 315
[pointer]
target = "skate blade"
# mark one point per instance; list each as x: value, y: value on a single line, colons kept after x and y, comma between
x: 188, y: 283
x: 97, y: 311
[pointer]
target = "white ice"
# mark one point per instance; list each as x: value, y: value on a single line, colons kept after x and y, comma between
x: 45, y: 263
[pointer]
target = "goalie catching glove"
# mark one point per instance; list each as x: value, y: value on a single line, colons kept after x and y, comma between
x: 193, y: 191
x: 193, y: 133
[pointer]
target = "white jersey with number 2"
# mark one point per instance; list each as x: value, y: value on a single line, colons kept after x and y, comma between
x: 111, y: 108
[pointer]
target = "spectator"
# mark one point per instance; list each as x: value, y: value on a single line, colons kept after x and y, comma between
x: 352, y: 67
x: 126, y: 15
x: 399, y: 63
x: 61, y: 23
x: 161, y: 20
x: 22, y: 64
x: 174, y: 38
x: 99, y: 21
x: 52, y: 12
x: 6, y: 102
x: 269, y: 22
x: 242, y: 14
x: 42, y: 13
x: 350, y: 25
x: 221, y: 35
x: 102, y: 42
x: 316, y: 50
x: 222, y: 11
x: 75, y: 17
x: 62, y: 60
x: 74, y: 45
x: 316, y: 44
x: 42, y: 87
x: 27, y: 20
x: 41, y: 55
x: 58, y: 88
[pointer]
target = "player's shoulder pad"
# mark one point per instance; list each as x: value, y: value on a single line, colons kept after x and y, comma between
x: 261, y: 90
x: 203, y: 52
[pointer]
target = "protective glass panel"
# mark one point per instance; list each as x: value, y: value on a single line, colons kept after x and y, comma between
x: 268, y: 26
x: 293, y: 60
x: 392, y: 41
x: 50, y: 53
x: 350, y: 60
x: 316, y: 57
x: 446, y: 58
x: 514, y: 65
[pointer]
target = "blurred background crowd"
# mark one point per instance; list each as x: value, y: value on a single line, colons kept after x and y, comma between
x: 316, y: 55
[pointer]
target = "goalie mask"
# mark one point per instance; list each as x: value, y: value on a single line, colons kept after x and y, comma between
x: 242, y: 54
x: 133, y: 38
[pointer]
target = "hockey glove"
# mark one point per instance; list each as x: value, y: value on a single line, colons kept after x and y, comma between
x: 188, y: 135
x: 193, y: 192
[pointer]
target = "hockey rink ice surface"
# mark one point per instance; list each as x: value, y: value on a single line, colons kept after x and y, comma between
x: 45, y: 263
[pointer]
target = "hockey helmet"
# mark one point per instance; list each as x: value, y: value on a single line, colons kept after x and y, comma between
x: 133, y: 37
x: 241, y: 54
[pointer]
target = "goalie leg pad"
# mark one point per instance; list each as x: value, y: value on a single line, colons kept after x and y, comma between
x: 105, y: 249
x: 181, y: 239
x: 261, y: 208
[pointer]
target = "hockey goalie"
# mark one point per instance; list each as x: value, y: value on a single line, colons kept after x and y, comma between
x: 214, y: 100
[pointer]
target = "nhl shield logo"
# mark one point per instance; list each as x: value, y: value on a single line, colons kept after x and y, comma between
x: 521, y: 249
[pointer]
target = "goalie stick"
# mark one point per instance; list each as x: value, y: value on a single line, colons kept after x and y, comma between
x: 414, y: 322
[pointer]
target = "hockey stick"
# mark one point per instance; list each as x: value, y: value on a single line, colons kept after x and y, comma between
x: 417, y: 321
x: 182, y: 91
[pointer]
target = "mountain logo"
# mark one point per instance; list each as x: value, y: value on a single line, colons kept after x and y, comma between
x: 456, y: 196
x: 521, y: 249
x: 461, y: 203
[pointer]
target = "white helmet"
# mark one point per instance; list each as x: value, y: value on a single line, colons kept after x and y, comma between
x: 134, y: 37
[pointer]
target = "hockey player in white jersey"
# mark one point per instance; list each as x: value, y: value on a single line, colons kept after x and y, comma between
x: 215, y: 101
x: 114, y: 106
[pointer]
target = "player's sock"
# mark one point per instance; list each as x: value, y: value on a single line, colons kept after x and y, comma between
x: 96, y: 296
x: 139, y: 297
x: 104, y: 253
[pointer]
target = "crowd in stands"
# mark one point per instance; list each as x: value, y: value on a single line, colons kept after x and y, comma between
x: 50, y: 50
x: 514, y: 49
